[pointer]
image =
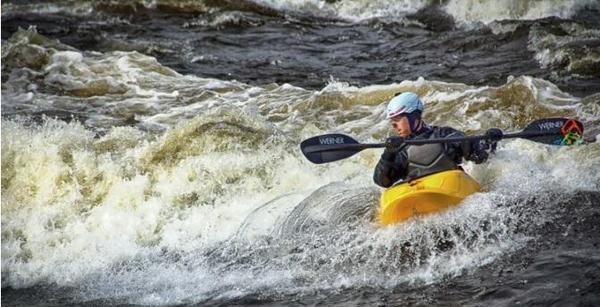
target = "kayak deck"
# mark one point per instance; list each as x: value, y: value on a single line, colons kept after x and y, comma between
x: 424, y: 195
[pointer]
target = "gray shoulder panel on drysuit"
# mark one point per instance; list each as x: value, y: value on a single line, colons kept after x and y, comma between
x: 428, y: 159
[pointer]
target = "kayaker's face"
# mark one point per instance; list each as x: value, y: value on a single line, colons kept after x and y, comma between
x: 401, y: 125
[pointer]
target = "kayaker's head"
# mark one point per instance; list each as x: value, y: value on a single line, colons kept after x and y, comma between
x: 404, y: 111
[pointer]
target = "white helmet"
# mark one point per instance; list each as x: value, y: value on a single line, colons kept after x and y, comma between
x: 404, y: 103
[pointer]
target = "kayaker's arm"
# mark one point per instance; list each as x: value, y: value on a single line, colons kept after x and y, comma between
x: 392, y: 166
x: 475, y: 152
x: 478, y: 149
x: 472, y: 151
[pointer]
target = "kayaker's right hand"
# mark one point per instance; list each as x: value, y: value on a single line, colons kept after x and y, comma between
x: 394, y: 143
x: 392, y: 146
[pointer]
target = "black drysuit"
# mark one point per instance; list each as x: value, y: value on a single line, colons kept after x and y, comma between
x: 394, y: 166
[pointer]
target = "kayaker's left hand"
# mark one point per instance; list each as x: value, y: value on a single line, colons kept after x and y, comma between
x: 494, y: 135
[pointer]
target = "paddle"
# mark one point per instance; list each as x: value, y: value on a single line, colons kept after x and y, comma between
x: 553, y: 131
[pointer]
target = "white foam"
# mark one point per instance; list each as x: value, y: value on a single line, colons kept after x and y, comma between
x: 464, y: 11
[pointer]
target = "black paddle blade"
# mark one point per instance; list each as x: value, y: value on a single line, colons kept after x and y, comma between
x: 555, y: 131
x: 329, y: 147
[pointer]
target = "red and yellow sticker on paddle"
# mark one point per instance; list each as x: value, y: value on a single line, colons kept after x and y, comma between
x: 572, y: 132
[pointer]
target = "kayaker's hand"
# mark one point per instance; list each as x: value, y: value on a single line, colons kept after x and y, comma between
x: 494, y: 135
x: 392, y: 146
x: 394, y: 143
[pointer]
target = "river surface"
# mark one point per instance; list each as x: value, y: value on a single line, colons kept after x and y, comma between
x: 150, y: 152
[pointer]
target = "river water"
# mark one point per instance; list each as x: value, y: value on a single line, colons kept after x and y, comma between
x: 150, y: 152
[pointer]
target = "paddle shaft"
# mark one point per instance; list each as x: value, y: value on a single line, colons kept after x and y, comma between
x: 358, y: 147
x: 551, y: 131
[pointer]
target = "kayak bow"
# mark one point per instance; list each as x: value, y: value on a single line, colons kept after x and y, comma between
x: 432, y: 193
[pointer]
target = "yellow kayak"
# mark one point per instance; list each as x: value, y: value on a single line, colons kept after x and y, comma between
x: 428, y: 194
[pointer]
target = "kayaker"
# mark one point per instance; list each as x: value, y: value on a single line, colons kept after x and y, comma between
x: 404, y: 162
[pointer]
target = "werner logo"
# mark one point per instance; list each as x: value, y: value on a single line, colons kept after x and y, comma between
x: 550, y: 125
x: 331, y: 140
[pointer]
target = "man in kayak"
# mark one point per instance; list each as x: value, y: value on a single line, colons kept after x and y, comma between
x: 404, y: 162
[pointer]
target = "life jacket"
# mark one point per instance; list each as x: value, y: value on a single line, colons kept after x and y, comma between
x: 427, y: 159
